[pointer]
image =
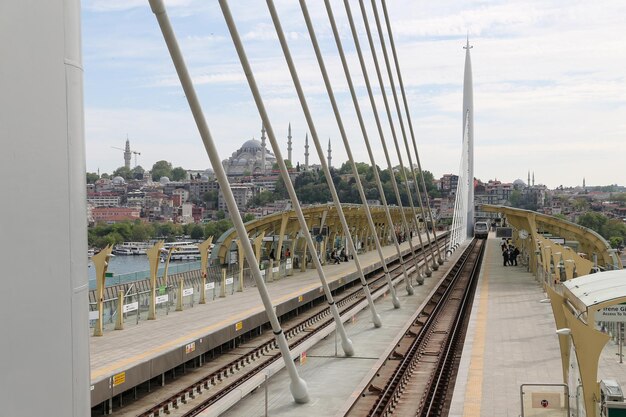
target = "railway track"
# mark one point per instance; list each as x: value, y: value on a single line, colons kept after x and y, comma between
x: 232, y: 375
x: 417, y: 378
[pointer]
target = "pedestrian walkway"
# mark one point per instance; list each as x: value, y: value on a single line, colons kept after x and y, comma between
x: 118, y: 351
x: 511, y: 341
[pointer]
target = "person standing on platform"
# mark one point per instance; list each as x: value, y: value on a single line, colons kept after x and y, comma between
x: 272, y: 255
x: 287, y: 253
x: 514, y: 255
x: 505, y: 255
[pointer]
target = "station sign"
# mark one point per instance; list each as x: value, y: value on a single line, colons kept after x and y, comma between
x: 209, y: 285
x: 190, y: 347
x: 161, y: 299
x: 187, y: 291
x: 93, y: 315
x: 615, y: 314
x: 229, y: 281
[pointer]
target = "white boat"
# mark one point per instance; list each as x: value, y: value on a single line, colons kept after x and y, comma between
x: 131, y: 248
x: 183, y: 251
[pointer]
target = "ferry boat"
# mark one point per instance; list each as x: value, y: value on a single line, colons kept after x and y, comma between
x: 185, y: 251
x: 131, y: 248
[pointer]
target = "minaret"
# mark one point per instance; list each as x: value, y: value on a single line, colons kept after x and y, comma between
x: 306, y: 152
x: 584, y: 185
x: 533, y: 178
x: 330, y: 158
x: 528, y: 178
x: 263, y: 149
x: 127, y: 154
x: 468, y: 116
x: 289, y: 145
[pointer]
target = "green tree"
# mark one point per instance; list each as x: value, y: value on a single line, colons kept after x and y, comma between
x: 161, y: 169
x: 137, y: 172
x: 92, y: 177
x: 593, y: 221
x: 124, y: 173
x: 220, y: 215
x: 248, y: 217
x: 197, y: 232
x: 141, y: 232
x: 179, y: 174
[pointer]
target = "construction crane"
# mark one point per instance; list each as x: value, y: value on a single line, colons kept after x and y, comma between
x: 131, y: 151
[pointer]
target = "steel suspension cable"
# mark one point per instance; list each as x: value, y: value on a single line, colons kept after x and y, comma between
x: 427, y: 270
x: 342, y: 131
x: 320, y: 151
x: 380, y: 134
x: 345, y: 341
x: 355, y: 101
x: 410, y: 123
x: 298, y: 386
x: 381, y: 37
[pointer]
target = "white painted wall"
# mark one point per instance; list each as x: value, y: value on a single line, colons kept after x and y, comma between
x: 44, y: 352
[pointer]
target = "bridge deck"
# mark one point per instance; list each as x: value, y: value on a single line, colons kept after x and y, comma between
x: 164, y: 340
x: 511, y: 341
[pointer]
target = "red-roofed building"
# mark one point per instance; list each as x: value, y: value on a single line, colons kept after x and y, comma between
x: 114, y: 214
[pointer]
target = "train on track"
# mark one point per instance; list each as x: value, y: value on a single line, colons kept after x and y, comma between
x: 481, y: 230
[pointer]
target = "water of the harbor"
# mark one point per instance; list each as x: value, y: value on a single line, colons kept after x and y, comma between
x: 134, y: 267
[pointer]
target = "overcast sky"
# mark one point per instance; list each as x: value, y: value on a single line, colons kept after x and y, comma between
x: 549, y: 83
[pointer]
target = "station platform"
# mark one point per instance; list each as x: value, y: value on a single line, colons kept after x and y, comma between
x: 511, y: 341
x: 140, y: 352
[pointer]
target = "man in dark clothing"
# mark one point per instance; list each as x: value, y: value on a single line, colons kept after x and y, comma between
x: 505, y: 256
x: 514, y: 256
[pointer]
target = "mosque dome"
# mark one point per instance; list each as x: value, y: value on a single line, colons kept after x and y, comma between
x: 251, y: 145
x: 519, y: 183
x: 164, y: 180
x: 118, y: 181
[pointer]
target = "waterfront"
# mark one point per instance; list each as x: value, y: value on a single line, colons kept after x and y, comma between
x: 128, y: 265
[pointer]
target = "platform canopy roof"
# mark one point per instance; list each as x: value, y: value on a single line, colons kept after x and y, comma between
x: 596, y: 290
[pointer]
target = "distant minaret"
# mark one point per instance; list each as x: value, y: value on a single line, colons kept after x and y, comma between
x: 306, y: 152
x: 584, y: 185
x: 528, y: 178
x: 468, y: 117
x: 289, y: 145
x: 127, y: 154
x: 533, y: 178
x: 330, y: 158
x: 263, y: 149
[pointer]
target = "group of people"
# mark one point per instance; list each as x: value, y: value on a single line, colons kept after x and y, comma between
x: 509, y: 253
x: 339, y: 256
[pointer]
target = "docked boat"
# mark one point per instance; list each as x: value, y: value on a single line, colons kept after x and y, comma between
x: 182, y: 251
x: 131, y: 248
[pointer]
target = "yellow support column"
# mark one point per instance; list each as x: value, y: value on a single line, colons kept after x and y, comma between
x: 153, y: 258
x: 179, y: 298
x: 279, y: 250
x: 101, y: 262
x: 223, y: 286
x: 119, y: 323
x: 588, y: 343
x: 241, y: 261
x: 204, y: 260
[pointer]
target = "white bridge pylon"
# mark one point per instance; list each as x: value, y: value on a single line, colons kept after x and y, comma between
x: 460, y: 221
x: 463, y: 216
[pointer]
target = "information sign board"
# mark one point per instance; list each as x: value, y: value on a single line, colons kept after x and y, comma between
x: 209, y: 285
x: 126, y: 308
x: 93, y: 315
x: 161, y: 299
x: 615, y: 313
x: 229, y: 281
x: 187, y: 291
